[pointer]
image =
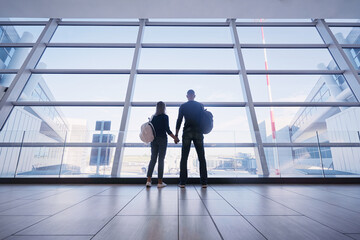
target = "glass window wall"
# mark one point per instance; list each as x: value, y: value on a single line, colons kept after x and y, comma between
x: 78, y: 112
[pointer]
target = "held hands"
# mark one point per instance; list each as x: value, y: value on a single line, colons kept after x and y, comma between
x: 176, y: 140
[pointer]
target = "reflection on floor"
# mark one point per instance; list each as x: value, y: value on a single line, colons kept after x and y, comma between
x: 218, y: 212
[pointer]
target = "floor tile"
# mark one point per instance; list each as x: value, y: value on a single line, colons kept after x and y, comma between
x: 140, y: 227
x: 219, y: 207
x: 192, y: 207
x: 153, y: 202
x: 197, y: 228
x: 12, y: 224
x: 354, y: 236
x: 236, y: 227
x: 49, y: 238
x: 56, y: 203
x: 293, y: 227
x: 85, y: 218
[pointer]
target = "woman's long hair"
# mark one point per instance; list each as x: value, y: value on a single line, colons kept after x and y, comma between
x: 160, y: 108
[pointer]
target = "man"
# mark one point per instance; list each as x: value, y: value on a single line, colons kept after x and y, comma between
x: 192, y: 111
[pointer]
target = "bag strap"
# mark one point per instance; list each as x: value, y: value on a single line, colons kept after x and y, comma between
x: 152, y: 126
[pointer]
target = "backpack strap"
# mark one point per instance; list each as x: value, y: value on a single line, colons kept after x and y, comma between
x: 152, y: 127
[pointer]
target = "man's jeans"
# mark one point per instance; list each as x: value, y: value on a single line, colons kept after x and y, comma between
x: 198, y: 140
x: 158, y: 148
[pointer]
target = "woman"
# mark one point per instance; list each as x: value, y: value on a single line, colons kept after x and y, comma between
x: 160, y: 122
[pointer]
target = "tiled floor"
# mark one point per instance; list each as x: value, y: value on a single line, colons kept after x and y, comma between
x: 63, y: 212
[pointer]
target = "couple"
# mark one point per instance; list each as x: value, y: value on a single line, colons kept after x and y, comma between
x: 191, y: 111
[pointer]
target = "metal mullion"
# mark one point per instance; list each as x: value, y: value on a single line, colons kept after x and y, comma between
x: 91, y: 45
x: 23, y: 23
x: 187, y: 71
x: 188, y: 24
x: 340, y: 58
x: 9, y: 71
x: 177, y: 104
x: 136, y: 145
x: 20, y: 80
x: 306, y: 104
x: 315, y: 144
x: 17, y: 45
x: 280, y: 46
x: 97, y: 23
x: 116, y: 168
x: 350, y: 45
x: 294, y: 72
x: 275, y: 24
x: 187, y: 45
x: 56, y: 144
x: 68, y: 103
x: 206, y: 145
x: 80, y: 71
x: 259, y: 150
x: 343, y: 24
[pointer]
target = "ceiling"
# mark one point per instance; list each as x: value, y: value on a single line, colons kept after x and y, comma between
x: 245, y: 9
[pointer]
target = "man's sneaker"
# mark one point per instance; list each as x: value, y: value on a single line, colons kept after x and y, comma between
x: 182, y: 185
x: 148, y: 184
x: 161, y: 185
x: 204, y: 186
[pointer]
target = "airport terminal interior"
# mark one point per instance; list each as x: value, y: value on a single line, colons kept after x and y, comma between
x: 78, y: 80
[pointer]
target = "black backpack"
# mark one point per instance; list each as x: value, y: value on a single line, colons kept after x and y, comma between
x: 206, y: 122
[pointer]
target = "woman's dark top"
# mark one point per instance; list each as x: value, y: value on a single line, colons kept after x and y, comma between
x: 161, y: 125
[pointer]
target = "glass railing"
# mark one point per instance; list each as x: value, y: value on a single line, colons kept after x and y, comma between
x: 229, y: 154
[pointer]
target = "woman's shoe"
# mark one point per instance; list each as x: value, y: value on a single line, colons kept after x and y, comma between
x: 148, y: 184
x: 161, y: 185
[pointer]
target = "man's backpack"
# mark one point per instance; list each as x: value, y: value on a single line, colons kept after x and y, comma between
x: 207, y: 122
x: 147, y: 132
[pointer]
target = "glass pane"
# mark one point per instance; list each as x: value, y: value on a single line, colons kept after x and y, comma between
x: 50, y: 124
x: 140, y: 115
x: 286, y: 59
x: 7, y: 134
x: 187, y: 35
x: 208, y: 88
x: 87, y: 161
x: 104, y: 34
x: 6, y: 80
x: 12, y: 58
x: 39, y: 162
x: 300, y: 88
x: 295, y: 162
x: 341, y: 161
x: 347, y: 35
x: 221, y: 162
x: 299, y: 124
x: 187, y: 59
x: 75, y: 87
x: 354, y: 56
x: 284, y: 35
x: 231, y: 125
x: 8, y: 160
x: 19, y: 34
x: 234, y: 129
x: 86, y: 58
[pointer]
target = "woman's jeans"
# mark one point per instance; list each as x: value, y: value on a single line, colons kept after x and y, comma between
x: 158, y: 148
